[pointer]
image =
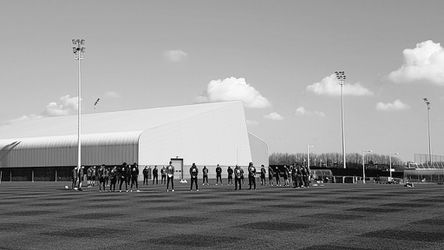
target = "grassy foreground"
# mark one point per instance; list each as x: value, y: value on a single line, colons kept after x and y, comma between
x: 336, y: 216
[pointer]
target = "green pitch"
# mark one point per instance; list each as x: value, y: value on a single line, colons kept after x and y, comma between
x: 337, y: 216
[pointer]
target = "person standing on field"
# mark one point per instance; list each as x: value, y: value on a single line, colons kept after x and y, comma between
x: 194, y: 171
x: 230, y: 175
x: 113, y: 179
x: 170, y: 176
x: 155, y: 175
x: 270, y: 176
x: 263, y: 172
x: 276, y: 174
x: 205, y: 175
x: 163, y: 174
x: 251, y: 175
x: 218, y: 174
x: 102, y: 172
x: 134, y: 171
x: 123, y: 178
x: 145, y: 175
x: 237, y: 177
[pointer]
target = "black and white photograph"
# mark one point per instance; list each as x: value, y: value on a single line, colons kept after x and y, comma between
x: 222, y: 124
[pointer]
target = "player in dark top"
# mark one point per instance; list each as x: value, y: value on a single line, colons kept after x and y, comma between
x: 81, y: 177
x: 128, y: 175
x: 75, y: 176
x: 306, y: 176
x: 170, y: 176
x: 163, y: 175
x: 145, y: 176
x: 107, y: 170
x: 94, y: 176
x: 88, y: 176
x: 134, y: 171
x: 286, y: 183
x: 101, y: 172
x: 276, y: 175
x: 113, y: 179
x: 251, y: 175
x: 194, y: 171
x: 155, y: 175
x: 270, y: 176
x: 230, y: 175
x: 123, y: 178
x: 263, y: 173
x: 237, y: 177
x: 218, y: 174
x: 205, y: 175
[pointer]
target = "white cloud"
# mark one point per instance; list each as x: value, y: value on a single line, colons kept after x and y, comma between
x: 425, y: 62
x: 302, y: 111
x: 175, y: 55
x: 111, y: 94
x: 274, y: 116
x: 233, y: 89
x: 396, y: 105
x: 330, y: 86
x: 67, y: 105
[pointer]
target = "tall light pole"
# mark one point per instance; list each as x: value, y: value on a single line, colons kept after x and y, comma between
x: 390, y: 164
x: 79, y: 50
x: 363, y: 164
x: 340, y: 75
x: 427, y: 102
x: 308, y: 155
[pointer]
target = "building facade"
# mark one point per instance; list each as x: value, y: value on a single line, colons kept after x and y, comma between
x: 205, y: 134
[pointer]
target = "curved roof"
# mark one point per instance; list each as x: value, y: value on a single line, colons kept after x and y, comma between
x: 118, y: 138
x: 107, y: 122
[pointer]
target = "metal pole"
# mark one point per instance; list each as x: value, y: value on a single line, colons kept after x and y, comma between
x: 78, y: 51
x: 363, y: 167
x: 429, y: 135
x: 342, y: 126
x: 79, y: 112
x: 340, y: 75
x: 390, y: 166
x: 427, y: 102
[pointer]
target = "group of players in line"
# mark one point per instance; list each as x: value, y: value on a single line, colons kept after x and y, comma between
x: 128, y: 174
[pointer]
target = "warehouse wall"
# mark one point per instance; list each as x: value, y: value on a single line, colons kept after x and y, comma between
x: 215, y: 137
x: 59, y: 151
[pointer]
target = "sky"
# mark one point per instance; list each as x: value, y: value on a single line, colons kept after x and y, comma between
x: 277, y: 57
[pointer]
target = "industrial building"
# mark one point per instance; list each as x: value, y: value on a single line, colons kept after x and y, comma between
x: 206, y: 134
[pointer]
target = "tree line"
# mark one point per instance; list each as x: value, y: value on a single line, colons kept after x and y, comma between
x: 332, y: 160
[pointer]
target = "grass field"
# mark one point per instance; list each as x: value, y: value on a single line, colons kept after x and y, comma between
x: 336, y: 216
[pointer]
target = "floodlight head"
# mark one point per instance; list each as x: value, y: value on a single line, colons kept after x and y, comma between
x: 83, y: 49
x: 74, y: 41
x: 82, y: 42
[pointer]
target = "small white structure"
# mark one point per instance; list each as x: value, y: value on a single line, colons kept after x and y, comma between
x: 205, y: 134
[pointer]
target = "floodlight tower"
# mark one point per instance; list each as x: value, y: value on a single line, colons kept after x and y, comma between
x: 340, y: 75
x: 79, y: 51
x: 427, y: 102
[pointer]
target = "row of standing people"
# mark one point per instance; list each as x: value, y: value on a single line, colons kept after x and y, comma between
x: 298, y: 174
x: 128, y: 175
x: 116, y: 175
